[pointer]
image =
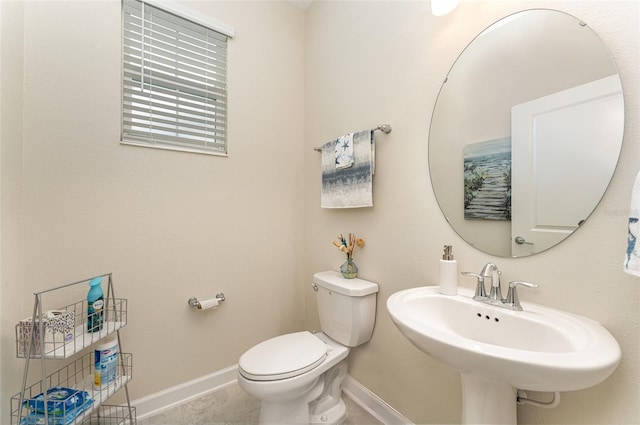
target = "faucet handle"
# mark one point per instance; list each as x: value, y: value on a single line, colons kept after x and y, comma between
x: 481, y: 293
x: 512, y: 299
x: 515, y: 283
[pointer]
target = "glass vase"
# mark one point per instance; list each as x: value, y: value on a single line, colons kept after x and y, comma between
x: 349, y: 269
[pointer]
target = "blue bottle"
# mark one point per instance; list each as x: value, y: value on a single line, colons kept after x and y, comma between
x: 95, y: 305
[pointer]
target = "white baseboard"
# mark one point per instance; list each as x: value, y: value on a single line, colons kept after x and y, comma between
x: 373, y: 404
x: 164, y: 400
x: 169, y: 398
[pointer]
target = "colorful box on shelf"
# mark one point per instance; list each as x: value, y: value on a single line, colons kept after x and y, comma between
x: 58, y: 330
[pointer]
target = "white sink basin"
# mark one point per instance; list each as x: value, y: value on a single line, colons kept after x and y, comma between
x: 539, y: 349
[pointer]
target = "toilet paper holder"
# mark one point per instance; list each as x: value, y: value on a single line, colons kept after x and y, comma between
x: 193, y: 301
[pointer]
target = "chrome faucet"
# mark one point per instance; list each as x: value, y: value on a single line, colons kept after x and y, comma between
x: 491, y: 271
x: 512, y: 300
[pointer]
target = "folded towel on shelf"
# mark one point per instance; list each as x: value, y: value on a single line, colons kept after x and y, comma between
x: 350, y: 186
x: 344, y: 151
x: 632, y: 257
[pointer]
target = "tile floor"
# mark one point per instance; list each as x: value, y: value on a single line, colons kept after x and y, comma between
x: 232, y: 406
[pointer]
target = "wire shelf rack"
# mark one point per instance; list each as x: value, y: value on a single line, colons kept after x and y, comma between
x: 77, y: 375
x: 69, y: 396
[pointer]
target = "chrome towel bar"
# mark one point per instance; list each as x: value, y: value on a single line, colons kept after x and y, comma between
x: 385, y: 128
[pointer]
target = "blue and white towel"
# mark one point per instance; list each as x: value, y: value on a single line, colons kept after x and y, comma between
x: 632, y: 257
x: 349, y: 186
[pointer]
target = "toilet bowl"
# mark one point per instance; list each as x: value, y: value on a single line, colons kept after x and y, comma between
x: 287, y: 389
x: 298, y: 376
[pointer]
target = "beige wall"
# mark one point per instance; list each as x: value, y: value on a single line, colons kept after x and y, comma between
x: 369, y: 63
x: 168, y: 225
x: 172, y: 225
x: 11, y: 102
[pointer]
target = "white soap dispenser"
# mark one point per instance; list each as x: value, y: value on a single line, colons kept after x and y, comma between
x: 448, y: 273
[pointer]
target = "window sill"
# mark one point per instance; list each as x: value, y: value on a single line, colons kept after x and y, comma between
x: 174, y: 148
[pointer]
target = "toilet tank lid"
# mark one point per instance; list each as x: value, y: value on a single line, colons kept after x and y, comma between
x: 334, y: 281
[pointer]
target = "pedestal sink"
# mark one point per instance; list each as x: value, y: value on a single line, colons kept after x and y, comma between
x: 498, y: 351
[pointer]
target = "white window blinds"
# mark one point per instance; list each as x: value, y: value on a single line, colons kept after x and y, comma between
x: 174, y: 81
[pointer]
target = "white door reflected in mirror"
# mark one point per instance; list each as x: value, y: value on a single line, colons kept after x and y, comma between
x: 556, y: 149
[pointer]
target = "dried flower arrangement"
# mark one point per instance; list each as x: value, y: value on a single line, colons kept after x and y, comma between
x: 348, y: 245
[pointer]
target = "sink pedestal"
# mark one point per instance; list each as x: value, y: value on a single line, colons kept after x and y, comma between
x: 487, y: 402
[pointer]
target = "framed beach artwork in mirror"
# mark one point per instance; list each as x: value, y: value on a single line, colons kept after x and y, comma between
x: 487, y: 180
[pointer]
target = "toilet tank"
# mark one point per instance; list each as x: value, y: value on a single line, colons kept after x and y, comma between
x: 347, y: 307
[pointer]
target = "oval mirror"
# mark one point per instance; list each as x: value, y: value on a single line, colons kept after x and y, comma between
x: 526, y: 133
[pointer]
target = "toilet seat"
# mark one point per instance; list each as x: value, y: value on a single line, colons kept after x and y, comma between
x: 282, y: 357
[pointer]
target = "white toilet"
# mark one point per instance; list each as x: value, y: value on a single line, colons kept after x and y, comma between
x: 298, y: 376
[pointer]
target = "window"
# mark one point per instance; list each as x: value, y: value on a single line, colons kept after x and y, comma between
x: 174, y: 93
